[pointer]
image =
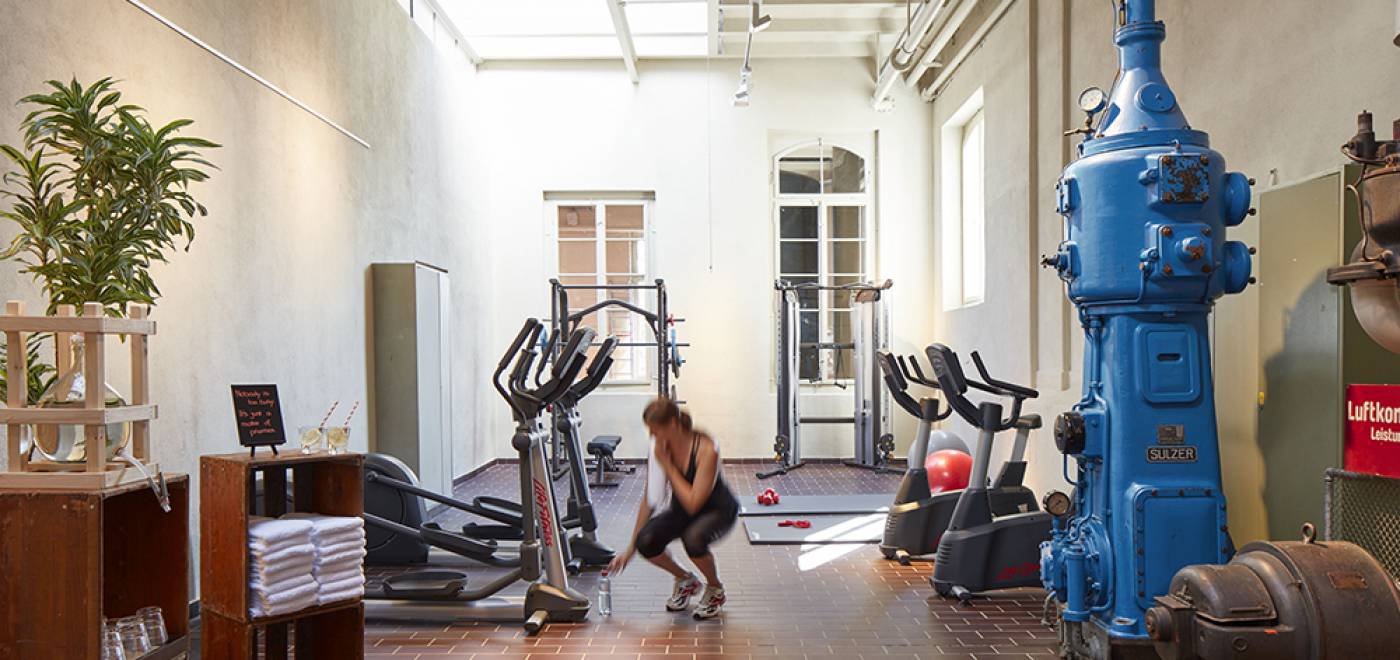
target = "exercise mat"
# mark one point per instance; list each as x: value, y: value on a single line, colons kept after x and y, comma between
x: 825, y: 529
x: 810, y: 505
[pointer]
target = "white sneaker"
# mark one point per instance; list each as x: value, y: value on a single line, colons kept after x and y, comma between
x: 680, y: 596
x: 710, y: 603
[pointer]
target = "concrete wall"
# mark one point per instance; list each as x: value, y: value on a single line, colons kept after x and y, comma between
x: 1276, y: 84
x: 587, y: 128
x: 274, y: 288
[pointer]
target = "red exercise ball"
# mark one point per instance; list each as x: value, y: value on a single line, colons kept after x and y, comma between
x: 948, y: 469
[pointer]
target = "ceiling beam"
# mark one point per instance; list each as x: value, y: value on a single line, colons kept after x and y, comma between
x: 624, y: 39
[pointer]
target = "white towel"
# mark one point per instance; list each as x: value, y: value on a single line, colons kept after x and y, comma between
x: 268, y: 534
x: 341, y: 585
x: 276, y: 574
x: 336, y: 575
x: 354, y: 537
x: 329, y: 526
x: 306, y: 601
x: 282, y: 601
x: 657, y: 487
x: 261, y: 589
x: 326, y: 597
x: 341, y: 558
x: 291, y: 555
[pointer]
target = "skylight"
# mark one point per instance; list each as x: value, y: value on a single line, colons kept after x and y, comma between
x: 579, y: 29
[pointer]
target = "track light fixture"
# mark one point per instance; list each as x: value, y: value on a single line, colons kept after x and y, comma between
x: 758, y: 22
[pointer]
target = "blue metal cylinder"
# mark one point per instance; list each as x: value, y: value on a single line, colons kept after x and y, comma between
x: 1144, y: 257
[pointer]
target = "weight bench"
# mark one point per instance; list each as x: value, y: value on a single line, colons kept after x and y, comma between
x: 603, y: 448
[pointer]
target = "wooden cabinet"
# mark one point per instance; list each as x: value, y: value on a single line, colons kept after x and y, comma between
x: 72, y: 557
x: 319, y: 483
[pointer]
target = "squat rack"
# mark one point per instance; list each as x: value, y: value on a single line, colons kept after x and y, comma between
x: 661, y: 323
x: 871, y: 412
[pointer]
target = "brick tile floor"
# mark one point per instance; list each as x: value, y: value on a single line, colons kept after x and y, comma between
x: 784, y: 601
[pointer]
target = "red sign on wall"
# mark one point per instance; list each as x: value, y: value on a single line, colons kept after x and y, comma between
x: 1373, y: 430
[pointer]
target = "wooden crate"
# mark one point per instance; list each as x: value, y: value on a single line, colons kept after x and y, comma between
x: 330, y: 484
x: 72, y: 557
x: 94, y: 326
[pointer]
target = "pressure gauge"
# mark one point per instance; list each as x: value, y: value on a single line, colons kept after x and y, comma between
x: 1056, y: 503
x: 1093, y: 100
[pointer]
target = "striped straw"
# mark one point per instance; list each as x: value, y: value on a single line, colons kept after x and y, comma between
x: 327, y: 418
x: 353, y: 408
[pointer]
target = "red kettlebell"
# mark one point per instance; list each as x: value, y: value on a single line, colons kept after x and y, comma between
x: 948, y: 469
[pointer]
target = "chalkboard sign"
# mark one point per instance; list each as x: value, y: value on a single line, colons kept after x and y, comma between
x: 258, y: 413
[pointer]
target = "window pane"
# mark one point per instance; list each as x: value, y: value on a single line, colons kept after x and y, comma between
x: 973, y: 212
x: 578, y: 222
x: 800, y: 172
x: 846, y: 173
x: 798, y: 257
x: 635, y: 296
x: 842, y: 298
x: 840, y: 323
x: 808, y: 358
x: 797, y: 222
x: 625, y: 220
x: 578, y: 257
x: 625, y: 256
x: 845, y: 222
x: 846, y: 257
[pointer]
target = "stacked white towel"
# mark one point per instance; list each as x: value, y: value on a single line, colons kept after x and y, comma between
x: 281, y: 557
x: 340, y: 551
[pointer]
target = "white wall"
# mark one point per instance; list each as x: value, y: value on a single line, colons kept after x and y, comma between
x: 274, y: 287
x: 586, y: 127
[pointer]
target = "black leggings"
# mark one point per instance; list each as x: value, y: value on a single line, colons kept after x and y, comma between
x: 695, y: 532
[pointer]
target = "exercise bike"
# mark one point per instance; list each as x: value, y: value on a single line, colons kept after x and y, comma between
x: 917, y: 518
x: 436, y: 595
x: 981, y: 551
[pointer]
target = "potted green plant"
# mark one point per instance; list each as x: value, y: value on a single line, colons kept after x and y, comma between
x: 99, y: 194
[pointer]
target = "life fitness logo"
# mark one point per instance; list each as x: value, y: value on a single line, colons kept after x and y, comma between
x: 546, y: 520
x: 1372, y: 441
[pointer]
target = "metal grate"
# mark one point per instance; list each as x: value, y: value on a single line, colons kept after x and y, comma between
x: 1365, y: 509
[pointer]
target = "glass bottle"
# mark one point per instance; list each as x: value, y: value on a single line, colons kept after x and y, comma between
x: 66, y: 443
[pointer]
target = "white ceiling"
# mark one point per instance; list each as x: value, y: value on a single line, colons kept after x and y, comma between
x: 634, y: 31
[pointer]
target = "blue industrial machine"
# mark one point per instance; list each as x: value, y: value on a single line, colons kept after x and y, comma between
x: 1146, y: 207
x: 1140, y: 561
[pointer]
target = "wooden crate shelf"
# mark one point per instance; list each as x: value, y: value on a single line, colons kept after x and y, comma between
x: 72, y: 557
x: 93, y: 327
x: 330, y: 484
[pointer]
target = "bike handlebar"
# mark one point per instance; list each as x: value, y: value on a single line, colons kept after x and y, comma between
x: 955, y: 384
x: 896, y: 381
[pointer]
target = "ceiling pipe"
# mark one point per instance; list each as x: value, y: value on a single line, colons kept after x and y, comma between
x: 903, y: 53
x: 940, y: 40
x: 931, y: 92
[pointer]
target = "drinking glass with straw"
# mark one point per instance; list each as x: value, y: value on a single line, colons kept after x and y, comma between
x: 311, y: 436
x: 338, y: 437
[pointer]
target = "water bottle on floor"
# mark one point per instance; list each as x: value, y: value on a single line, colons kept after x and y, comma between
x: 604, y: 595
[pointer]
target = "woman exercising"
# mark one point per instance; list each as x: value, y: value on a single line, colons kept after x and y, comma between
x: 702, y: 508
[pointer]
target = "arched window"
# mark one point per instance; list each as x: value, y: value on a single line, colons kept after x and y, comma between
x: 822, y: 212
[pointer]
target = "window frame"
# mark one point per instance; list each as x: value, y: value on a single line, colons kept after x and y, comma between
x: 825, y: 201
x: 954, y: 240
x: 601, y: 274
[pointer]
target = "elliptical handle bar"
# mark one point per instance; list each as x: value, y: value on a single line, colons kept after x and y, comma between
x: 547, y: 352
x: 567, y: 367
x: 529, y: 332
x: 597, y: 369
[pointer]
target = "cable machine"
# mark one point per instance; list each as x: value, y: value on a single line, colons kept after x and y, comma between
x: 661, y: 323
x: 871, y: 412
